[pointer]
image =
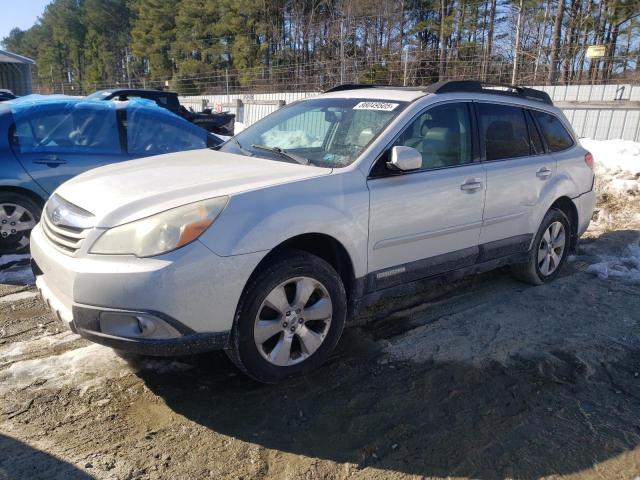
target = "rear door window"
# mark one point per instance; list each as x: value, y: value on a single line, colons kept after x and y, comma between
x: 556, y: 135
x: 503, y: 130
x: 537, y: 147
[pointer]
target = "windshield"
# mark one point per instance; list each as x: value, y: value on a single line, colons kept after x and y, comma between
x: 327, y: 132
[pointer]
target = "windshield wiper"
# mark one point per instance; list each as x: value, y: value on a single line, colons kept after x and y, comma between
x: 284, y: 153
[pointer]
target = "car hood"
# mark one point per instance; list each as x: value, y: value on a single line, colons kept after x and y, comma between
x: 127, y: 191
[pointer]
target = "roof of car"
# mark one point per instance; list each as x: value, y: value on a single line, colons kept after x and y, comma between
x: 135, y: 90
x: 476, y: 87
x: 29, y: 102
x: 378, y: 93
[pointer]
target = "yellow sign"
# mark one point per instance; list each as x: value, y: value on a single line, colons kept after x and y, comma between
x: 596, y: 51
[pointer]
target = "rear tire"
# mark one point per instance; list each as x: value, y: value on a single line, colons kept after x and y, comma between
x: 18, y: 215
x: 549, y: 251
x: 289, y: 318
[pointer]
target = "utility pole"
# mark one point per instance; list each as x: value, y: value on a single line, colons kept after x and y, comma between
x: 406, y: 61
x: 126, y: 60
x: 517, y: 49
x: 342, y: 50
x: 226, y: 77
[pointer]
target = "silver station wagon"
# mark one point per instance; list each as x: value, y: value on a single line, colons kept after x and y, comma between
x: 267, y: 245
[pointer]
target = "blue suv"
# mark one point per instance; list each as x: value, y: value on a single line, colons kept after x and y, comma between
x: 46, y: 140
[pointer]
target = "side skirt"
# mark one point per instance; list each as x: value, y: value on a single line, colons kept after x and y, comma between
x: 422, y: 275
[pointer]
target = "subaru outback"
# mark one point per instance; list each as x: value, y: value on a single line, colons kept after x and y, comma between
x: 265, y: 246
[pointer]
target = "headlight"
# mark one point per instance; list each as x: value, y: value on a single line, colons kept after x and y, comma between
x: 161, y: 232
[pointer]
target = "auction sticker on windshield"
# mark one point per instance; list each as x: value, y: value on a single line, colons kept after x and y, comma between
x: 384, y: 106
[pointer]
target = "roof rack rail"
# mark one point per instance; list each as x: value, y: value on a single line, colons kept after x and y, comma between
x: 353, y: 86
x: 451, y: 86
x: 456, y: 86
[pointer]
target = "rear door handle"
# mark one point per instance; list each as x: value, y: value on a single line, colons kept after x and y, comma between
x: 52, y: 161
x: 543, y: 173
x: 471, y: 185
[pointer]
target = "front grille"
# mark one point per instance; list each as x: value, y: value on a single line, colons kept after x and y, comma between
x: 67, y: 239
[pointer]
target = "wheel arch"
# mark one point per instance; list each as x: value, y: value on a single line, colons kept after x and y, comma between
x: 322, y: 245
x: 24, y: 191
x: 566, y: 206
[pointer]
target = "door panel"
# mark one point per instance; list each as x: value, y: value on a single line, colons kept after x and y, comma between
x: 517, y: 171
x: 426, y: 222
x: 421, y: 215
x: 55, y: 142
x: 514, y: 187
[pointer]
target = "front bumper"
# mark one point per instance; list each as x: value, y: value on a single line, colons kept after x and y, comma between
x: 188, y: 296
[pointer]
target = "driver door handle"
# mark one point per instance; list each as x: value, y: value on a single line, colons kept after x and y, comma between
x: 472, y: 185
x: 52, y: 161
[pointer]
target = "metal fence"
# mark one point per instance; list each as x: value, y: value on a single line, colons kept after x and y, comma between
x: 601, y: 112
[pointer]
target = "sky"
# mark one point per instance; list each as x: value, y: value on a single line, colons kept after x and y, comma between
x: 21, y: 13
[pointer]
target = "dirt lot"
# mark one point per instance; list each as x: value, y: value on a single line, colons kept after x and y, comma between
x: 488, y: 378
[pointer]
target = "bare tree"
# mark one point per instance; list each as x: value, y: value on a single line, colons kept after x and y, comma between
x: 555, y: 43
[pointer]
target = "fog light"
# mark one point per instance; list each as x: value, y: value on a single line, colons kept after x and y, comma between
x: 136, y: 325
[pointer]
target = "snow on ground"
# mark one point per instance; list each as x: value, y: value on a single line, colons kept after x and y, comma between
x: 14, y: 297
x: 617, y: 164
x: 625, y: 267
x: 238, y: 127
x: 84, y: 368
x: 16, y: 350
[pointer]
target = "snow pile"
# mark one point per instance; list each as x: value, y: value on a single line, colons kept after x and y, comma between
x: 617, y: 164
x: 626, y: 268
x: 290, y: 139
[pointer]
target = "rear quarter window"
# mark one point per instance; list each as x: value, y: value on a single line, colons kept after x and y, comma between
x: 553, y: 131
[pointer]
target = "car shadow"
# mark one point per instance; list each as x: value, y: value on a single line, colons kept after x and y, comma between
x: 526, y: 420
x: 558, y: 409
x: 20, y: 461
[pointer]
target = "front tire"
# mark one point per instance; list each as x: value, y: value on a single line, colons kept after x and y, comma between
x: 18, y: 215
x: 289, y: 319
x: 549, y: 252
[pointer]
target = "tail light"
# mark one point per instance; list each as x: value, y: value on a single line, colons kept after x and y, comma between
x: 588, y: 159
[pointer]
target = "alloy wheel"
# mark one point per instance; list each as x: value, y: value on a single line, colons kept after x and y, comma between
x: 551, y: 249
x: 15, y: 224
x: 293, y: 321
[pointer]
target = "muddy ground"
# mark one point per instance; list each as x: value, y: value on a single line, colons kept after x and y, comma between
x: 488, y: 378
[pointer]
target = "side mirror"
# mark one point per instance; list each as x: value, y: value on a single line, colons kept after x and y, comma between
x: 405, y: 159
